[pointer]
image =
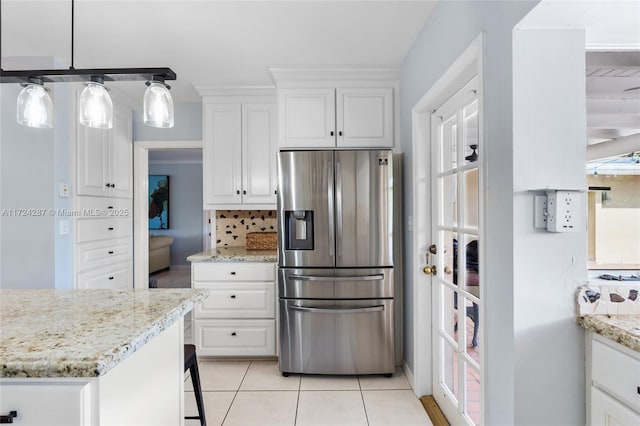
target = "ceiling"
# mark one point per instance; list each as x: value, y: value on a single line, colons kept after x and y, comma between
x: 212, y: 42
x: 613, y: 95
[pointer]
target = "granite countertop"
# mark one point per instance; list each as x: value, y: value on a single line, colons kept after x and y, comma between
x: 622, y: 329
x: 234, y: 254
x: 82, y: 333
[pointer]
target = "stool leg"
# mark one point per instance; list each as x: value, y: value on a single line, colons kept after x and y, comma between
x: 476, y: 324
x: 195, y: 379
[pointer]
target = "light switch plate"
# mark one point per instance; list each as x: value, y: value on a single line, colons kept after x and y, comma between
x: 63, y: 190
x: 64, y: 227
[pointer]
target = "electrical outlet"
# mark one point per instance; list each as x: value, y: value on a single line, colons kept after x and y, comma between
x: 63, y: 190
x: 64, y: 227
x: 540, y: 211
x: 563, y: 211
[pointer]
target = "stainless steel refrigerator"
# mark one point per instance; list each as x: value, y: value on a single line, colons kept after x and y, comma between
x: 335, y: 279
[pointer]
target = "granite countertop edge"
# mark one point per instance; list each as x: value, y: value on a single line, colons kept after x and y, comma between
x: 234, y: 254
x: 106, y: 361
x: 614, y: 327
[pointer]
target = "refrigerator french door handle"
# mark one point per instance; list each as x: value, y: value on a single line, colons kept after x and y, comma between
x: 376, y: 277
x: 330, y: 195
x: 377, y: 308
x: 338, y: 209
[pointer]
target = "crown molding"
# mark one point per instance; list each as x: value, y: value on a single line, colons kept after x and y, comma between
x: 342, y: 73
x: 235, y: 90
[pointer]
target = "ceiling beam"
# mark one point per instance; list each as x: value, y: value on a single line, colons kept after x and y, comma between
x: 614, y: 148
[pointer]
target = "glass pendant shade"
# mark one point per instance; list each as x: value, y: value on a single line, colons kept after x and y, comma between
x: 96, y: 108
x: 158, y: 106
x: 35, y: 107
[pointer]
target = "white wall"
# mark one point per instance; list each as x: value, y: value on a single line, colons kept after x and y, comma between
x: 452, y: 27
x: 185, y: 209
x: 188, y: 125
x: 26, y: 182
x: 549, y: 149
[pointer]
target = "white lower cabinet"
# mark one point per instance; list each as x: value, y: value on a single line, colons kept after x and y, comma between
x: 118, y: 276
x: 613, y: 377
x: 238, y: 318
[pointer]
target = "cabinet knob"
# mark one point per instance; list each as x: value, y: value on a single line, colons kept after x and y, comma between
x: 110, y: 207
x: 332, y: 133
x: 238, y: 192
x: 233, y: 333
x: 340, y: 133
x: 233, y: 296
x: 275, y: 192
x: 244, y: 192
x: 107, y: 185
x: 8, y: 418
x: 233, y: 273
x: 110, y: 252
x: 113, y: 185
x: 110, y: 278
x: 110, y: 228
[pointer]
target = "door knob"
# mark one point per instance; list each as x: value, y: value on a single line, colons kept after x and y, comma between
x: 430, y: 270
x: 447, y: 270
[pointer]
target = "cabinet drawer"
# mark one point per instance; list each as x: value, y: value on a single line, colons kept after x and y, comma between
x: 237, y: 300
x: 607, y: 411
x: 46, y: 403
x: 103, y: 253
x: 118, y: 276
x: 233, y: 271
x: 235, y: 337
x: 102, y: 229
x: 104, y: 207
x: 617, y: 372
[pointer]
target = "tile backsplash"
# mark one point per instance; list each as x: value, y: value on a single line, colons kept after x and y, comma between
x: 608, y: 299
x: 232, y: 226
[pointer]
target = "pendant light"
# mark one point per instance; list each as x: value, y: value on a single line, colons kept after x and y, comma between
x: 35, y: 107
x: 96, y: 109
x: 158, y: 105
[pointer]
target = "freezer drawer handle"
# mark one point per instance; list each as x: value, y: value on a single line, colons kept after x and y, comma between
x: 377, y: 308
x: 376, y: 277
x: 8, y: 418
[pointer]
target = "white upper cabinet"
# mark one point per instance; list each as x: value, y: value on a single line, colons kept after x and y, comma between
x: 239, y: 154
x: 343, y: 118
x: 104, y: 157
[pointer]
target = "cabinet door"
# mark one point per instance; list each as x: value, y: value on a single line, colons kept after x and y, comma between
x: 259, y: 148
x: 121, y: 153
x: 222, y: 164
x: 607, y: 411
x: 364, y: 117
x: 92, y: 151
x: 306, y: 118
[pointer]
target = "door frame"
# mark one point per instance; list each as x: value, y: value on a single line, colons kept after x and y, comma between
x: 140, y: 203
x: 468, y: 65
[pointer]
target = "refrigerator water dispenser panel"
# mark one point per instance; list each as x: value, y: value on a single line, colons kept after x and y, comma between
x: 299, y: 230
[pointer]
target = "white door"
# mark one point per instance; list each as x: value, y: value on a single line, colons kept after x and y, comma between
x: 221, y: 154
x: 121, y: 153
x: 456, y: 256
x: 307, y: 118
x: 364, y: 117
x: 259, y: 152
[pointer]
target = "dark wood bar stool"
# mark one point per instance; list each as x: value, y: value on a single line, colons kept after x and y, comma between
x: 191, y: 364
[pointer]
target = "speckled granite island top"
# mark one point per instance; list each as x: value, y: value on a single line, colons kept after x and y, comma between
x: 623, y: 329
x: 82, y: 333
x: 234, y: 254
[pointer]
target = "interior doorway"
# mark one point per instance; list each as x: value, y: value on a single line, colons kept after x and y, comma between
x: 435, y: 365
x: 141, y: 155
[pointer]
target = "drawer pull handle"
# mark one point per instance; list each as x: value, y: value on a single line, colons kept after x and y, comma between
x: 233, y: 333
x: 110, y: 252
x: 638, y: 390
x: 110, y: 228
x: 233, y: 296
x: 110, y: 207
x: 8, y: 418
x: 110, y: 278
x: 233, y: 273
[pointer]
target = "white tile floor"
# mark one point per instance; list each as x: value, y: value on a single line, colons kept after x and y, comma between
x: 248, y: 393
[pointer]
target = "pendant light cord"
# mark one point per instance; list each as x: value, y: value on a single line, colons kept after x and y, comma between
x: 72, y: 31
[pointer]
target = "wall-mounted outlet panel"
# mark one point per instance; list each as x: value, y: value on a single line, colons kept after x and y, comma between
x: 540, y: 211
x: 563, y: 211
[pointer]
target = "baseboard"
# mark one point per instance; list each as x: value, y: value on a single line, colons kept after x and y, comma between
x: 409, y: 375
x: 180, y: 267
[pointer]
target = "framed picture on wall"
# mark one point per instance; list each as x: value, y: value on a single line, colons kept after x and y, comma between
x: 158, y: 202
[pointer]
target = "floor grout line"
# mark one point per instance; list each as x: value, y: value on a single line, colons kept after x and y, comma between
x: 366, y: 416
x: 236, y: 394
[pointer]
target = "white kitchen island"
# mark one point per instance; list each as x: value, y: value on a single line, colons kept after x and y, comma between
x: 93, y: 357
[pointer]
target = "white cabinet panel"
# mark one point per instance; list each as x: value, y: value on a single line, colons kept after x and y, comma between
x: 364, y: 117
x: 617, y: 373
x: 232, y: 271
x: 105, y: 207
x: 237, y: 299
x: 606, y: 411
x: 103, y: 253
x: 222, y: 154
x: 235, y: 337
x: 47, y: 403
x: 115, y: 277
x: 102, y: 229
x: 120, y: 153
x: 307, y: 118
x: 92, y: 172
x: 259, y: 148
